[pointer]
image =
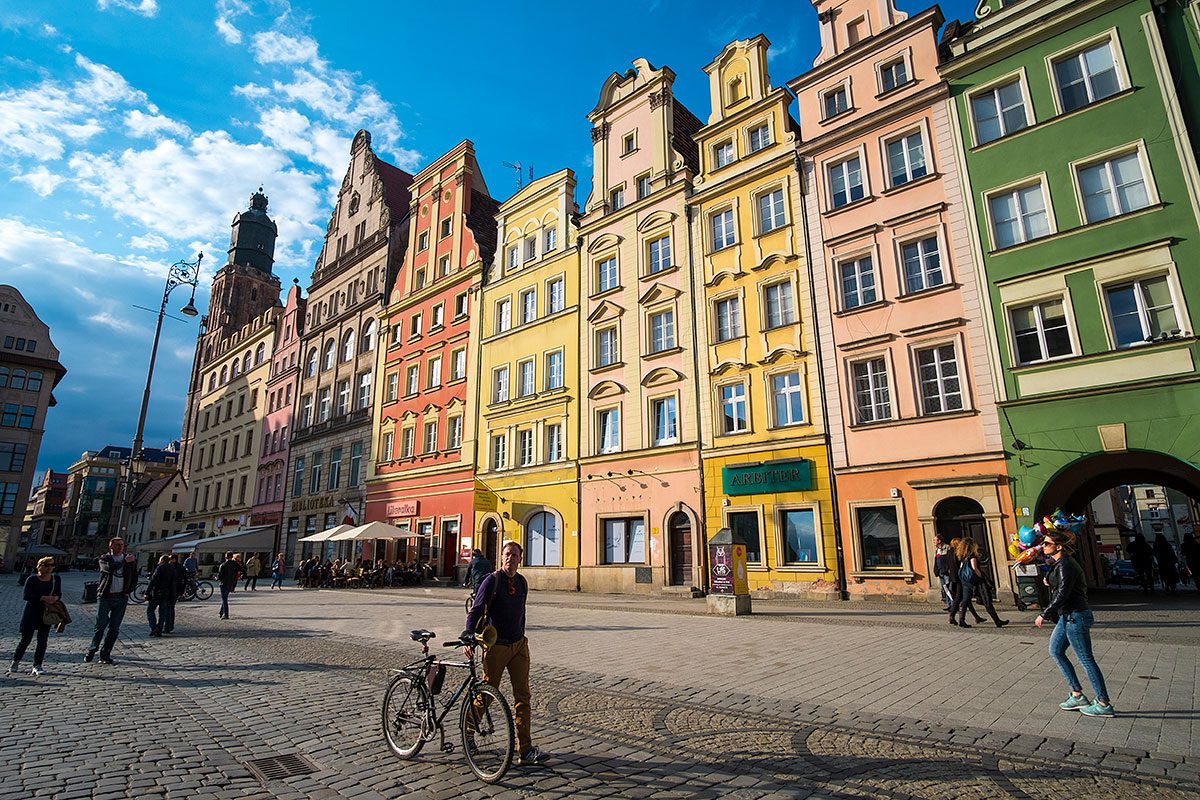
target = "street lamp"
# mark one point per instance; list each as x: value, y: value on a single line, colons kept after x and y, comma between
x: 182, y: 273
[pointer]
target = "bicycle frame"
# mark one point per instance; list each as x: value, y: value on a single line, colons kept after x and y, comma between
x: 419, y: 669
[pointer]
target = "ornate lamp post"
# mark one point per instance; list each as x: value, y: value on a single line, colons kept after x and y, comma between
x: 182, y: 273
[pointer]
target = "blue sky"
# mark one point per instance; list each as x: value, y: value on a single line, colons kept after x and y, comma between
x: 131, y: 131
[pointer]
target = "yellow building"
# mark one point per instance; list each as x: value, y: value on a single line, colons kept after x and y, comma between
x: 763, y: 435
x: 527, y: 477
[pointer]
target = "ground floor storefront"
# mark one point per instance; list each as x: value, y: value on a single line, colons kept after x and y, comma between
x: 434, y: 509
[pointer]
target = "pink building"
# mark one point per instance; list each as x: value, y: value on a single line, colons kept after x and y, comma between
x: 918, y: 449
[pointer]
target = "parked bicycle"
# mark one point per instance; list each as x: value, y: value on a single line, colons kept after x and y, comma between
x: 414, y: 709
x: 192, y: 589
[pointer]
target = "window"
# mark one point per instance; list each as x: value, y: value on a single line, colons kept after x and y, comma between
x: 858, y: 282
x: 760, y: 137
x: 445, y: 228
x: 555, y: 296
x: 454, y: 438
x: 389, y: 443
x: 412, y: 380
x: 625, y: 541
x: 606, y: 275
x: 343, y: 398
x: 348, y: 346
x: 314, y: 482
x: 999, y: 112
x: 616, y: 199
x: 643, y: 186
x: 437, y: 317
x: 1139, y: 310
x: 1040, y: 331
x: 836, y: 101
x: 554, y: 442
x: 18, y: 379
x: 608, y: 424
x: 503, y: 315
x: 787, y: 399
x: 306, y: 411
x: 662, y: 331
x: 530, y: 248
x: 770, y: 211
x: 665, y: 421
x: 355, y: 474
x: 528, y: 306
x: 906, y: 159
x: 734, y: 414
x: 606, y: 347
x: 415, y: 326
x: 335, y: 468
x: 1087, y: 76
x: 893, y: 75
x: 513, y: 257
x: 922, y: 265
x: 443, y: 266
x: 458, y: 365
x: 12, y: 456
x: 845, y: 181
x: 554, y: 370
x: 629, y: 143
x: 798, y: 528
x: 499, y: 451
x: 431, y: 437
x: 324, y: 405
x: 660, y: 254
x: 8, y: 497
x: 330, y: 352
x: 527, y: 385
x: 524, y: 447
x: 729, y: 319
x: 543, y: 540
x: 423, y: 241
x: 419, y: 279
x: 1113, y: 187
x: 723, y: 154
x: 460, y: 305
x: 406, y: 442
x: 779, y: 306
x: 937, y: 372
x: 722, y: 229
x: 500, y: 385
x: 872, y: 397
x: 746, y: 523
x: 879, y: 537
x: 551, y: 241
x: 1018, y: 215
x: 435, y: 372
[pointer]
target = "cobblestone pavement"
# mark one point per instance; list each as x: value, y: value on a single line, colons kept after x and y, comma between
x: 620, y: 711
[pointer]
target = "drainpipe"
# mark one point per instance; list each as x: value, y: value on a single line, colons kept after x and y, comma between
x: 837, y: 519
x: 578, y: 420
x: 702, y: 514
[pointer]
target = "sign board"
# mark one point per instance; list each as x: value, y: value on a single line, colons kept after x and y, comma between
x: 769, y: 477
x: 485, y: 499
x: 403, y: 508
x: 728, y: 571
x: 464, y: 549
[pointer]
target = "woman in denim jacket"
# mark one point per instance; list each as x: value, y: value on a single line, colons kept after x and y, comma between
x: 1068, y: 608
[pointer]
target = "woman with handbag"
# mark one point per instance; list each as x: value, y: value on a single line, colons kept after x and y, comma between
x: 42, y: 590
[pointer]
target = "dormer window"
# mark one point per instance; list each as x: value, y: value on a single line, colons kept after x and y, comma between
x: 737, y: 90
x: 723, y: 154
x: 856, y: 31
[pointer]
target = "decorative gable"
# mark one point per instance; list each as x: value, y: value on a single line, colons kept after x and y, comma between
x: 607, y: 310
x: 659, y: 293
x: 605, y: 241
x: 606, y: 389
x: 661, y: 377
x: 656, y: 220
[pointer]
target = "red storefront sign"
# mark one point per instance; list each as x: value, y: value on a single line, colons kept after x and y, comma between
x: 403, y: 508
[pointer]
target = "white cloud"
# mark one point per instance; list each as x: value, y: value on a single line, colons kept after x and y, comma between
x: 251, y: 91
x: 110, y: 321
x: 276, y: 47
x: 227, y: 12
x: 41, y: 252
x: 41, y: 180
x: 140, y: 124
x: 147, y: 8
x: 148, y: 241
x: 290, y: 130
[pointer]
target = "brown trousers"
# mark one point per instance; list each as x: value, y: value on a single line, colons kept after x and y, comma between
x: 514, y: 658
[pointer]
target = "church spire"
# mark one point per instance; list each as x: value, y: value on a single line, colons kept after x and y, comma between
x: 252, y: 241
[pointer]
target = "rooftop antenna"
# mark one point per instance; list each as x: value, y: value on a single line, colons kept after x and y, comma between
x: 520, y: 169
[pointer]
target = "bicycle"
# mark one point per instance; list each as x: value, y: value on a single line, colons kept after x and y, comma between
x: 411, y: 714
x: 193, y: 588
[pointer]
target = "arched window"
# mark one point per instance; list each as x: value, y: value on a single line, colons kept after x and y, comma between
x: 311, y: 364
x: 348, y: 346
x: 260, y: 353
x: 368, y: 338
x: 543, y: 540
x: 330, y: 352
x: 17, y: 381
x: 3, y: 377
x: 224, y: 374
x: 234, y: 369
x: 246, y: 362
x: 212, y: 381
x: 34, y: 384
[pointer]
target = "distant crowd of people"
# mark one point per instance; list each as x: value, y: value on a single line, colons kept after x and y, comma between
x: 1159, y: 562
x: 314, y: 573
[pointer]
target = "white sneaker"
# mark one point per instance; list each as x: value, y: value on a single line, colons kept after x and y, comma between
x: 37, y: 671
x: 14, y: 668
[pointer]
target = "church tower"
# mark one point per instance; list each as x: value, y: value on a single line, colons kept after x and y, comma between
x: 245, y: 286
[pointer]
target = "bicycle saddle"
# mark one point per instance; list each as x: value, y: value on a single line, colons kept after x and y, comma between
x: 422, y: 636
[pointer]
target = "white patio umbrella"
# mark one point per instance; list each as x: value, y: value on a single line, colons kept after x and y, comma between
x: 377, y: 530
x: 325, y: 535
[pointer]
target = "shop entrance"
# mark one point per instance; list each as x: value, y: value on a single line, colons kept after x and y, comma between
x: 491, y: 541
x: 679, y: 532
x: 962, y: 517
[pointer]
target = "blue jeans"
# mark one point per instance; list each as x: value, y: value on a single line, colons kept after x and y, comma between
x: 168, y: 615
x: 1074, y: 630
x: 152, y: 606
x: 225, y: 590
x: 109, y: 613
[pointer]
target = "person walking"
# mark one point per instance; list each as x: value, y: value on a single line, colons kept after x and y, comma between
x: 966, y: 551
x: 1142, y: 559
x: 985, y: 587
x: 42, y: 589
x: 277, y: 572
x: 1191, y: 556
x: 944, y: 566
x: 228, y: 574
x: 253, y: 569
x: 118, y: 577
x: 1168, y: 563
x: 159, y: 592
x: 501, y: 599
x: 478, y: 569
x: 180, y: 576
x: 1072, y: 618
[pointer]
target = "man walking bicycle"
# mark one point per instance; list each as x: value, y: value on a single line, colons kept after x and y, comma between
x: 500, y: 599
x: 118, y: 576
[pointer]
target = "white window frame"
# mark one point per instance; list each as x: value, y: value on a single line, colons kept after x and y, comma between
x: 1113, y: 39
x: 875, y: 385
x: 458, y: 364
x: 778, y: 212
x: 430, y: 437
x: 843, y: 86
x: 499, y: 451
x: 669, y: 404
x: 659, y: 263
x: 728, y: 227
x: 856, y: 259
x: 555, y: 369
x: 788, y: 390
x: 526, y: 377
x: 736, y: 326
x: 735, y: 401
x: 555, y: 446
x: 412, y: 379
x: 1043, y: 184
x: 918, y: 239
x: 454, y: 432
x: 904, y: 59
x: 524, y: 447
x: 610, y: 443
x: 936, y: 347
x: 601, y: 269
x: 434, y: 373
x: 840, y: 161
x: 1137, y: 149
x: 1036, y: 304
x: 785, y: 319
x: 724, y: 153
x: 902, y: 138
x: 616, y: 346
x: 501, y: 390
x: 529, y: 307
x: 1140, y: 300
x: 660, y: 330
x: 765, y: 125
x: 993, y: 87
x: 556, y: 295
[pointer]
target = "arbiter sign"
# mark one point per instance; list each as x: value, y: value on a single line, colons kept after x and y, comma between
x: 769, y: 477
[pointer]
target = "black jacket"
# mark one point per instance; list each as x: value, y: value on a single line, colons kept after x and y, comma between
x: 1068, y: 589
x: 162, y: 584
x: 228, y: 572
x: 111, y: 565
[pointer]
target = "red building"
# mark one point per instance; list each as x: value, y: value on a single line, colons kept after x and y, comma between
x: 423, y: 478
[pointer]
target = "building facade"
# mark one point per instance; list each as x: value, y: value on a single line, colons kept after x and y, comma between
x: 763, y: 430
x: 641, y: 502
x: 1085, y: 220
x: 46, y: 510
x: 29, y: 371
x: 331, y: 436
x: 155, y: 513
x: 526, y: 464
x: 915, y: 437
x: 422, y: 477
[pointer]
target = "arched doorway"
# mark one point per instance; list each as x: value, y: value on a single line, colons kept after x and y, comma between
x: 962, y: 517
x: 679, y: 534
x: 491, y: 540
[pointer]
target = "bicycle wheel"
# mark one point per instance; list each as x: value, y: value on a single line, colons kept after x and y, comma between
x: 470, y: 601
x: 189, y: 591
x: 486, y: 723
x: 405, y: 715
x: 138, y: 595
x: 204, y: 590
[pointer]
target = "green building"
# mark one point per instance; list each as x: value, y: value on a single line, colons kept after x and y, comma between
x: 1076, y: 122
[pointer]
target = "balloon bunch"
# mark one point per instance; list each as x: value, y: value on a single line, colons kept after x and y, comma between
x: 1025, y: 546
